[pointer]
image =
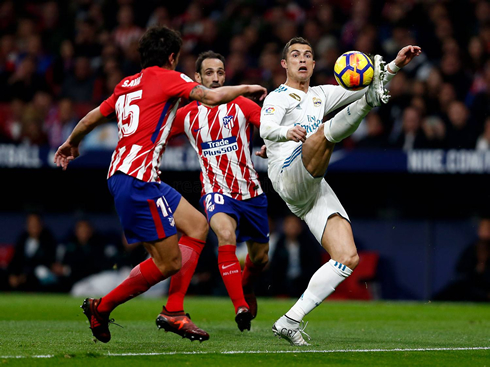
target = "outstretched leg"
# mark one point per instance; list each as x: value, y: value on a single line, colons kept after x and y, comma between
x: 194, y: 227
x: 164, y: 262
x: 318, y: 148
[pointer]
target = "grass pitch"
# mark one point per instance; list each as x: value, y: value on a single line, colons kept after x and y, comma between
x: 46, y: 330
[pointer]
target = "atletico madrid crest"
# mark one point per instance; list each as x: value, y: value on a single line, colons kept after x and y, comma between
x: 228, y: 122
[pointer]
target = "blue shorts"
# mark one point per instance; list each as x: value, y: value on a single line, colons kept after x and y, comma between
x: 251, y: 215
x: 144, y: 208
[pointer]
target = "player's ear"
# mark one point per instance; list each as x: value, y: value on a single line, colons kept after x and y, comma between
x: 173, y: 60
x: 284, y: 63
x: 197, y: 78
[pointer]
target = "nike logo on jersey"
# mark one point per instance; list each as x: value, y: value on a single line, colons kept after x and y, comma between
x: 226, y: 267
x: 196, y: 130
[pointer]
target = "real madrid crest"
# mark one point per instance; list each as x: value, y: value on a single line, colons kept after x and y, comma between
x: 317, y: 102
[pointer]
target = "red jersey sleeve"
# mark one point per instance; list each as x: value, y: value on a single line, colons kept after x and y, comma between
x: 108, y: 106
x: 178, y: 84
x: 251, y: 111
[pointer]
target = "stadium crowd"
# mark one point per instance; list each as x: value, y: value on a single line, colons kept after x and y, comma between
x: 44, y: 260
x: 59, y: 59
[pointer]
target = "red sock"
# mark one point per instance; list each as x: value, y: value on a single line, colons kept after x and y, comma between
x: 250, y: 275
x: 231, y: 272
x: 191, y: 249
x: 141, y: 278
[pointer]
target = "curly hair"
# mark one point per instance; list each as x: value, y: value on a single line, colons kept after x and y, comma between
x: 157, y: 44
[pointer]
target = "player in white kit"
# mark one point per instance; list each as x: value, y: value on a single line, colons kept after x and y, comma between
x: 299, y: 147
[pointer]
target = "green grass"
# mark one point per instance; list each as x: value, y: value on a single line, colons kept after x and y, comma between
x: 343, y: 334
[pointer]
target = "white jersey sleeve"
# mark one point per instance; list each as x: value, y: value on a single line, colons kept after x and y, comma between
x: 277, y: 117
x: 271, y: 117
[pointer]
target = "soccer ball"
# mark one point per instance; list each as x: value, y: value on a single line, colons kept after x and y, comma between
x: 353, y: 70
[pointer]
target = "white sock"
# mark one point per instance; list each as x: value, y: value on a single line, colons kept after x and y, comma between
x: 321, y: 285
x: 344, y: 123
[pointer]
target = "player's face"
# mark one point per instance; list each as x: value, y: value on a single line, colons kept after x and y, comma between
x: 212, y: 73
x: 299, y: 63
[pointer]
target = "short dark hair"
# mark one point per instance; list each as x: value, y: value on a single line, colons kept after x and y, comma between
x: 207, y: 55
x: 293, y: 41
x: 157, y: 44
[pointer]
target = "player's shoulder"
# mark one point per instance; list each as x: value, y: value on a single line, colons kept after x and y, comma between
x: 129, y: 81
x: 245, y: 102
x: 155, y: 71
x: 282, y: 95
x: 189, y: 107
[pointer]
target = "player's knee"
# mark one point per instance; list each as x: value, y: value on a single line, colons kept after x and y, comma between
x: 351, y: 260
x: 169, y: 267
x: 199, y: 229
x: 226, y: 236
x: 328, y: 133
x: 173, y: 266
x: 202, y: 229
x: 260, y: 259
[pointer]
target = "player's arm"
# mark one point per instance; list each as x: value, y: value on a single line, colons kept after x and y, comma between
x: 178, y: 124
x: 216, y: 96
x: 68, y: 151
x: 403, y: 58
x: 270, y: 125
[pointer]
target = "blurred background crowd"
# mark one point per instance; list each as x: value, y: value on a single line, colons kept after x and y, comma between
x: 60, y: 59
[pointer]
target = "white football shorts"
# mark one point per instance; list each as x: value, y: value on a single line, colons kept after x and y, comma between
x: 310, y: 198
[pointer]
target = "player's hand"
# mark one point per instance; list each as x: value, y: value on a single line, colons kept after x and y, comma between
x: 406, y: 54
x: 262, y: 153
x: 296, y: 133
x: 65, y: 154
x: 256, y: 92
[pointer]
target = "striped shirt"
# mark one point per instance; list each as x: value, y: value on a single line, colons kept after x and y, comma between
x: 145, y: 105
x: 221, y: 137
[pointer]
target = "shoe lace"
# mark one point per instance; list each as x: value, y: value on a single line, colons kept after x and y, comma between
x: 302, y: 327
x: 111, y: 321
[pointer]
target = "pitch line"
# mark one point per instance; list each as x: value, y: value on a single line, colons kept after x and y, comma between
x: 271, y: 352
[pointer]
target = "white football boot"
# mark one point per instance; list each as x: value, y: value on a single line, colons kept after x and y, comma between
x: 291, y: 330
x: 377, y: 94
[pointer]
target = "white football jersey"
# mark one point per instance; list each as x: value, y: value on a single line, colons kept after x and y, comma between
x: 286, y: 107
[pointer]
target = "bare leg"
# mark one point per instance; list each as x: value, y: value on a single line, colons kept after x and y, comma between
x: 257, y: 259
x: 194, y: 227
x: 339, y: 243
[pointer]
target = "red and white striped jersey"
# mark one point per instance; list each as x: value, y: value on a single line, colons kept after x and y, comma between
x: 221, y: 137
x: 145, y: 105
